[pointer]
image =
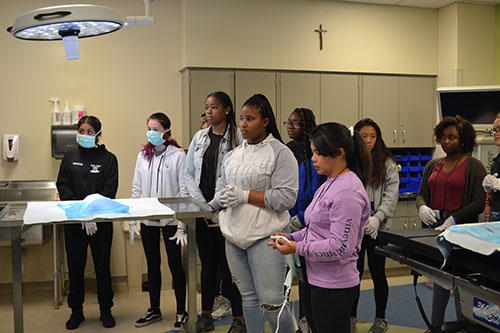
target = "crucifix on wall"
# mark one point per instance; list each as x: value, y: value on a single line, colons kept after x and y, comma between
x: 320, y: 31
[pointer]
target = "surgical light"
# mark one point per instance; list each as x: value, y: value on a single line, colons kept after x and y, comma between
x: 66, y: 22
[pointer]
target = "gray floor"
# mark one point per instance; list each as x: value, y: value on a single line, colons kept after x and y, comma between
x: 40, y: 315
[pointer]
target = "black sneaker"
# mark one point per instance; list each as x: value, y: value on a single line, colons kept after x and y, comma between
x: 75, y: 320
x: 204, y: 323
x: 237, y: 327
x: 180, y: 318
x: 151, y: 316
x: 107, y: 319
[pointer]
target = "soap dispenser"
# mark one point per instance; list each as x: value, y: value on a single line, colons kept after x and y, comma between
x: 66, y: 116
x: 56, y: 114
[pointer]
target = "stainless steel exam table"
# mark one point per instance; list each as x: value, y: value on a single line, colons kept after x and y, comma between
x: 186, y: 210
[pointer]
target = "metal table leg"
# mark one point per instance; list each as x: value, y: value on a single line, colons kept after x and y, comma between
x: 191, y: 228
x: 17, y: 278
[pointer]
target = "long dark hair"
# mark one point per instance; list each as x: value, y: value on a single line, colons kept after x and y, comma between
x: 328, y: 138
x: 261, y: 103
x: 162, y: 118
x: 379, y: 154
x: 307, y: 122
x: 226, y: 102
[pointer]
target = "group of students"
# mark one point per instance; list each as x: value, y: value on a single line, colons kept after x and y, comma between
x: 320, y: 200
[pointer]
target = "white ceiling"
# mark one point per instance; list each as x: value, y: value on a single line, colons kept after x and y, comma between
x: 424, y: 3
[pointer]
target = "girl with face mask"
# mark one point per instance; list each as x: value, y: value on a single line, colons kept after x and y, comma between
x: 159, y: 173
x: 89, y: 169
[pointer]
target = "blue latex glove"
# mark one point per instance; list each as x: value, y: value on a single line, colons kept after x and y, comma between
x: 449, y: 222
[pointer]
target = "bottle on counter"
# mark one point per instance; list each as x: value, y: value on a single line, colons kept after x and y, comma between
x: 56, y: 114
x: 78, y: 113
x: 66, y: 115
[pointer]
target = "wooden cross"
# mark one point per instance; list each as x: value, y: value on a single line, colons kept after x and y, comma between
x: 320, y: 31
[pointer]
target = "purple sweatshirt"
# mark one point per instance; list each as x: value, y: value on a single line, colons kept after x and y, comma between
x: 334, y: 229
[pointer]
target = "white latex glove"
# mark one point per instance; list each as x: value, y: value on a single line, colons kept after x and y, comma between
x: 132, y: 232
x: 232, y: 196
x: 180, y: 237
x: 491, y: 183
x: 427, y: 215
x: 449, y: 222
x: 371, y: 227
x: 90, y: 228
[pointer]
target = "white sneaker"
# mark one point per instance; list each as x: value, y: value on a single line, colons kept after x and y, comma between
x: 303, y: 326
x: 222, y: 308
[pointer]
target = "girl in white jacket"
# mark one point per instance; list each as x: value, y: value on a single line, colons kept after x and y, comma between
x: 257, y: 187
x: 159, y: 173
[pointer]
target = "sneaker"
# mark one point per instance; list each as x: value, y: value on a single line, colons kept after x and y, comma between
x: 75, y: 320
x: 151, y: 316
x: 353, y: 325
x: 303, y: 326
x: 180, y: 318
x: 107, y: 319
x: 237, y: 327
x: 222, y: 308
x: 204, y: 323
x: 380, y: 325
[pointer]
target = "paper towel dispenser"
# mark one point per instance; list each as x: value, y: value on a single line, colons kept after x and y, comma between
x: 63, y: 139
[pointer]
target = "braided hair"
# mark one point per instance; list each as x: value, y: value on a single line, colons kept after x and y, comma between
x: 307, y: 122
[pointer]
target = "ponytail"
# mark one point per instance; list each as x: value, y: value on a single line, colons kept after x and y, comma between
x: 262, y: 104
x: 328, y: 138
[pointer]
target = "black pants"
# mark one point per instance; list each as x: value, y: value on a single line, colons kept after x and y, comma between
x: 328, y: 310
x: 212, y: 251
x: 77, y: 242
x: 151, y: 243
x: 376, y: 264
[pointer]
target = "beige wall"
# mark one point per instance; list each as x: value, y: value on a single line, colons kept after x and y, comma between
x: 125, y: 76
x: 121, y: 78
x: 279, y: 34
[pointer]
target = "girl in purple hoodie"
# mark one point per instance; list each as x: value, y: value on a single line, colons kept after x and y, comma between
x: 334, y: 228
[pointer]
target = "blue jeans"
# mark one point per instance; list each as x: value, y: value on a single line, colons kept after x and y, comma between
x: 259, y: 272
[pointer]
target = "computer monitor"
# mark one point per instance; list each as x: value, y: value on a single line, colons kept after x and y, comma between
x: 477, y: 104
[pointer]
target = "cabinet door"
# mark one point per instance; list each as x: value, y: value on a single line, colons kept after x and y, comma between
x: 400, y: 223
x: 249, y: 83
x: 202, y: 83
x: 297, y: 90
x: 380, y: 96
x: 339, y: 99
x: 416, y: 111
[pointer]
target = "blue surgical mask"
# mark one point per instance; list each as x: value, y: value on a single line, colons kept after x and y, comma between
x: 156, y: 138
x: 86, y: 141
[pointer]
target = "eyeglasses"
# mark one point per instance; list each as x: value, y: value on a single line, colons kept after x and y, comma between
x: 496, y: 130
x: 292, y: 124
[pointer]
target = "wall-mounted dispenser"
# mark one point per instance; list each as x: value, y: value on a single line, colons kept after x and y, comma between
x: 63, y: 139
x: 11, y: 147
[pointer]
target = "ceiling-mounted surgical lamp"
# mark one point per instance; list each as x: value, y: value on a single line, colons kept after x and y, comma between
x: 71, y: 22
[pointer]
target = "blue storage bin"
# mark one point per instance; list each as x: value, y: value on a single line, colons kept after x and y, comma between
x: 414, y: 155
x: 401, y: 158
x: 425, y: 155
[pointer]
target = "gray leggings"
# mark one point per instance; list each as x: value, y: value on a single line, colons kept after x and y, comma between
x: 440, y: 297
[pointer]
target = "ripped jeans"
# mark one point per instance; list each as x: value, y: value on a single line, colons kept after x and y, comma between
x: 259, y: 272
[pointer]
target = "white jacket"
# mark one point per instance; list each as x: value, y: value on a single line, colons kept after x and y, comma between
x: 162, y: 177
x: 268, y: 166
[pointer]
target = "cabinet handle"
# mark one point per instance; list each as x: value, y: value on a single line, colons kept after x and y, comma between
x: 404, y: 135
x: 394, y: 132
x: 414, y: 224
x: 405, y: 224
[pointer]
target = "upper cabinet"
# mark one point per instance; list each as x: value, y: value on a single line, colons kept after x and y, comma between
x: 403, y: 107
x: 339, y: 98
